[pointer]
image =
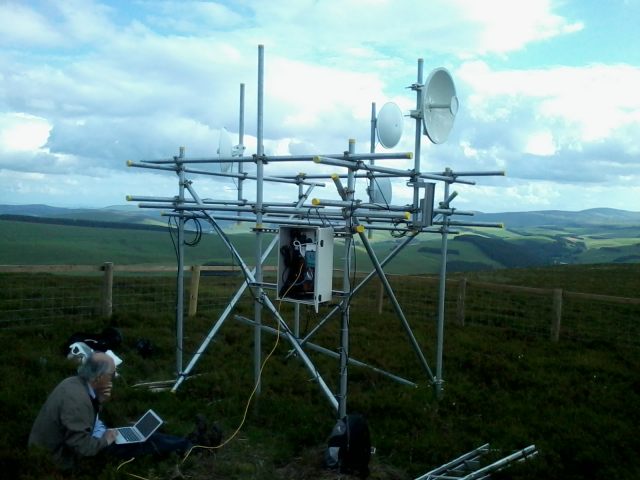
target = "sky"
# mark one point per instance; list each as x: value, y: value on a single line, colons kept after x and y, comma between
x: 548, y: 92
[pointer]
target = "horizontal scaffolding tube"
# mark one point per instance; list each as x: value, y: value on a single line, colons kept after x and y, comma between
x: 307, y: 213
x: 283, y: 158
x: 152, y: 167
x: 246, y: 176
x: 266, y: 219
x: 206, y: 201
x: 471, y: 224
x: 360, y: 205
x: 498, y: 173
x: 452, y: 211
x: 358, y: 165
x: 316, y: 176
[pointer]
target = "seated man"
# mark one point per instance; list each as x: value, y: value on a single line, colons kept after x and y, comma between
x: 69, y: 427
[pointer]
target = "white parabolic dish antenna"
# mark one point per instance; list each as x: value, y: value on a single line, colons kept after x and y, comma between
x: 225, y: 150
x: 380, y: 190
x: 439, y: 106
x: 389, y: 125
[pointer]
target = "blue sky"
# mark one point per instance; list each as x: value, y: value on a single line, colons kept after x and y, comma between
x: 548, y: 92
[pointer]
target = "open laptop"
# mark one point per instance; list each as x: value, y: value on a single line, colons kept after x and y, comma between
x: 142, y: 429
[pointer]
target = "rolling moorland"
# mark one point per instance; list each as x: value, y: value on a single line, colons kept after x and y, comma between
x: 38, y: 234
x: 575, y: 400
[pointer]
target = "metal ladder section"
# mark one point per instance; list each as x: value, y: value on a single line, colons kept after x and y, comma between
x: 467, y: 466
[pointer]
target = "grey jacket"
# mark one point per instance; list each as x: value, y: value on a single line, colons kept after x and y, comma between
x: 65, y: 424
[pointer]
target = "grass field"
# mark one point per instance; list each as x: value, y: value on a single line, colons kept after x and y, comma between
x: 576, y: 401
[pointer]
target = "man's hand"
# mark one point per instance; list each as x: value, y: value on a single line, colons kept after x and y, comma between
x: 110, y: 435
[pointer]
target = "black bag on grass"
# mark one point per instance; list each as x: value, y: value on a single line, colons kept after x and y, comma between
x: 349, y: 446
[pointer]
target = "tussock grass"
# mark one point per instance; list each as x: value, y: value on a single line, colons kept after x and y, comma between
x: 576, y: 401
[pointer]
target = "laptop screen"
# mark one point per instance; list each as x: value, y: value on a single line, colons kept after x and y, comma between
x: 147, y: 424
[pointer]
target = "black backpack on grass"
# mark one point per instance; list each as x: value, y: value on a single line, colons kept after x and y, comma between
x: 349, y: 446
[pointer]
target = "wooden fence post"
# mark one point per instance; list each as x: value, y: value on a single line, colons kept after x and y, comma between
x: 107, y: 289
x: 462, y: 293
x: 380, y: 297
x: 193, y: 290
x: 556, y: 320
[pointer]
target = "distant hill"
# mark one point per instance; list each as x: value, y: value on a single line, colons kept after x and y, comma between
x: 33, y: 234
x: 543, y: 218
x: 117, y: 214
x: 559, y: 218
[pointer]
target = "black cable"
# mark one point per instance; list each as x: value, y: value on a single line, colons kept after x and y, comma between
x: 198, y: 235
x: 397, y: 233
x: 173, y: 241
x: 192, y: 243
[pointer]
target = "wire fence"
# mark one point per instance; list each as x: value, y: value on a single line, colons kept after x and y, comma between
x: 42, y: 296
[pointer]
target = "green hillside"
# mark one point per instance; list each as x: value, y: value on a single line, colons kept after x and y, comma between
x: 91, y: 241
x: 36, y: 243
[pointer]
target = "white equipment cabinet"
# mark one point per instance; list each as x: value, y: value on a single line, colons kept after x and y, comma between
x: 305, y: 265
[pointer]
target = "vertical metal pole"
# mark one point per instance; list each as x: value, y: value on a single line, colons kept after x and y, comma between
x: 296, y: 319
x: 257, y: 331
x: 296, y: 305
x: 372, y: 149
x: 418, y: 141
x: 241, y: 143
x: 346, y: 300
x: 180, y: 279
x: 441, y: 295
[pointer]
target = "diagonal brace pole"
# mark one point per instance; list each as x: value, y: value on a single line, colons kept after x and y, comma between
x: 360, y: 285
x: 396, y: 305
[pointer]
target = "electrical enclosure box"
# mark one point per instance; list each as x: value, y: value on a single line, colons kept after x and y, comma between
x: 305, y: 265
x: 426, y: 205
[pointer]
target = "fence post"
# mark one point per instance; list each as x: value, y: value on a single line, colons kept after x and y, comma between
x: 556, y: 321
x: 462, y: 293
x: 107, y: 289
x: 380, y: 296
x: 193, y: 290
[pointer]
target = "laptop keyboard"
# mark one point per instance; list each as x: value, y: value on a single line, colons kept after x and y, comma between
x: 129, y: 434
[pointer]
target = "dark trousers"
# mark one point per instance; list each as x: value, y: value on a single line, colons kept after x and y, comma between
x: 158, y: 444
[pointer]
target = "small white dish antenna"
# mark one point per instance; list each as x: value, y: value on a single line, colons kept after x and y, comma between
x: 380, y: 190
x: 225, y: 149
x: 440, y: 105
x: 389, y: 125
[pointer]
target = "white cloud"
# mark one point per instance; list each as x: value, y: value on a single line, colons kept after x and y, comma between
x: 107, y: 84
x: 22, y: 26
x: 505, y: 25
x: 540, y: 143
x: 22, y: 132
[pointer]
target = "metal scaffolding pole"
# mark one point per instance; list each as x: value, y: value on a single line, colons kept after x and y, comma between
x: 241, y: 144
x: 332, y: 354
x: 180, y: 276
x: 346, y: 300
x: 362, y: 283
x: 441, y: 296
x: 418, y: 138
x: 396, y: 305
x: 257, y: 311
